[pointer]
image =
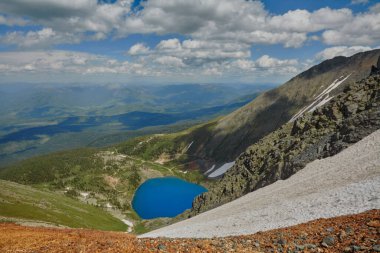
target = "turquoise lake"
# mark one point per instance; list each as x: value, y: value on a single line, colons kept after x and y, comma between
x: 164, y: 197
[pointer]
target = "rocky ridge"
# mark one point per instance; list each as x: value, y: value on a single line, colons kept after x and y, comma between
x: 344, y: 120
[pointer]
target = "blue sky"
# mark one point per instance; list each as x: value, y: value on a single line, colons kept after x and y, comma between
x: 179, y: 41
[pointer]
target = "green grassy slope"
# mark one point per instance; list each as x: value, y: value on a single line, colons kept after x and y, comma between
x: 25, y: 202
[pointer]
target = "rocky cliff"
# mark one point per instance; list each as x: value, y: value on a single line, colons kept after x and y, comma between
x: 343, y: 120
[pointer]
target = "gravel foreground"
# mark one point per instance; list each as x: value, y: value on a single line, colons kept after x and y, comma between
x: 353, y: 233
x: 346, y: 183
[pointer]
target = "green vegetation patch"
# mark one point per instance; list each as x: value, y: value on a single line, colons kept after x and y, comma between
x: 25, y: 202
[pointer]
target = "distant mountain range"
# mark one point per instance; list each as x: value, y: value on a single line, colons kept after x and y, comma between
x: 38, y: 119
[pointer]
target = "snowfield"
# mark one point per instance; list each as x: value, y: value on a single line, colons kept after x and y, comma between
x: 221, y: 170
x: 346, y: 183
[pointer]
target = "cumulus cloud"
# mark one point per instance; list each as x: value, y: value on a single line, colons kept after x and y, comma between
x: 245, y: 22
x: 305, y: 21
x: 332, y: 52
x: 359, y: 1
x: 169, y: 45
x: 43, y: 38
x: 85, y: 19
x: 12, y: 21
x: 375, y: 8
x: 364, y: 30
x: 268, y: 64
x: 170, y: 61
x: 62, y: 62
x: 219, y: 35
x: 164, y: 66
x: 190, y: 53
x: 138, y: 49
x: 266, y: 61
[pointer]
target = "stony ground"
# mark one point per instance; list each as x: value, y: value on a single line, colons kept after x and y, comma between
x: 352, y: 233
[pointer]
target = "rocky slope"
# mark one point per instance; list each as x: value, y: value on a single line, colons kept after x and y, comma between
x: 345, y: 119
x: 351, y: 233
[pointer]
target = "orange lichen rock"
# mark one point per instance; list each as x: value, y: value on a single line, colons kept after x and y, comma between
x: 351, y: 233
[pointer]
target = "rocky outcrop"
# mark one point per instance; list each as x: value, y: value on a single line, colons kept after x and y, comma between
x: 344, y: 120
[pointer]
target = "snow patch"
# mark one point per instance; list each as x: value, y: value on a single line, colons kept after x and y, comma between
x: 221, y: 170
x: 324, y: 101
x: 321, y: 99
x: 334, y: 85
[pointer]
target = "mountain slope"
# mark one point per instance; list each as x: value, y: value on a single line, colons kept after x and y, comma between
x: 23, y: 203
x: 223, y: 140
x: 346, y: 183
x: 344, y: 120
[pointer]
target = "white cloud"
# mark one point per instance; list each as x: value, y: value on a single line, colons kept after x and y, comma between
x: 241, y: 21
x: 375, y: 8
x: 46, y: 60
x: 219, y: 35
x: 359, y: 1
x: 305, y: 21
x: 43, y: 38
x: 170, y: 61
x: 56, y: 61
x: 68, y: 64
x: 84, y: 19
x: 364, y: 30
x: 12, y: 21
x: 169, y: 45
x: 138, y: 49
x: 332, y: 52
x: 266, y: 61
x: 211, y: 20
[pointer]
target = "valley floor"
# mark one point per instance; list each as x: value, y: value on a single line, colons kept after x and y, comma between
x: 352, y: 233
x: 346, y: 183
